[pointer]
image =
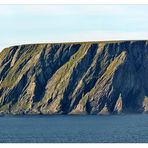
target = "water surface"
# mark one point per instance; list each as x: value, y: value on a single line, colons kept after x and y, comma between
x: 72, y: 129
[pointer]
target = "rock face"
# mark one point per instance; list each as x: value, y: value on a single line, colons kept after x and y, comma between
x: 75, y: 78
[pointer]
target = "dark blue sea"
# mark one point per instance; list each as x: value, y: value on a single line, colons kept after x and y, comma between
x: 74, y: 129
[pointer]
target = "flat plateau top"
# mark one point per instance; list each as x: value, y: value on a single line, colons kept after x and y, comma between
x: 81, y: 42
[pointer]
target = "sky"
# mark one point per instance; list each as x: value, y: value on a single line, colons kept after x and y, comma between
x: 25, y: 24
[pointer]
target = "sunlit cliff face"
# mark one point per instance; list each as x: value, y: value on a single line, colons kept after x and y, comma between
x: 75, y: 78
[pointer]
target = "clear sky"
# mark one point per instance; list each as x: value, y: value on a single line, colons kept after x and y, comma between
x: 21, y: 24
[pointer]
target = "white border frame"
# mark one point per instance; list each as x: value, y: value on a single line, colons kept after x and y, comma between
x: 73, y: 1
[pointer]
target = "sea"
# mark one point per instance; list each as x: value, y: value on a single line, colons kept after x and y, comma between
x: 131, y: 128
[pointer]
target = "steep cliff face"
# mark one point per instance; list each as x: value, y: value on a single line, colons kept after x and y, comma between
x: 75, y: 78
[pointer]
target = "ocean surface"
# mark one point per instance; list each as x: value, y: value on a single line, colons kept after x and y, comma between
x: 74, y: 129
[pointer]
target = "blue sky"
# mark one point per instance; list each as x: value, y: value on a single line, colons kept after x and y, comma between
x: 21, y: 24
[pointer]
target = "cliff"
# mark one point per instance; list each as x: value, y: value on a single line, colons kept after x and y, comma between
x: 75, y: 78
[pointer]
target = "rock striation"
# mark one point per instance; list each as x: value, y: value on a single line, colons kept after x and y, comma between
x: 75, y: 78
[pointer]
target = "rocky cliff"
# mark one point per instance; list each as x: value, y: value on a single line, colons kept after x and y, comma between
x: 75, y: 78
